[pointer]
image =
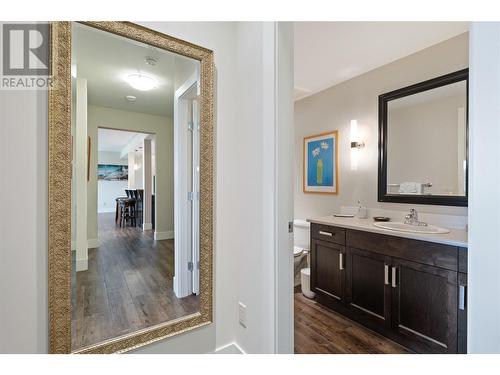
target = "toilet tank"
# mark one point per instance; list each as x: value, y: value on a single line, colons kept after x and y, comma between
x: 301, y: 229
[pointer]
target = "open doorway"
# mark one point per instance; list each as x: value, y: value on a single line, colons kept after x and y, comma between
x: 384, y: 106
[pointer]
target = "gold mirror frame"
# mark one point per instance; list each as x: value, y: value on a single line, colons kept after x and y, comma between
x: 59, y: 192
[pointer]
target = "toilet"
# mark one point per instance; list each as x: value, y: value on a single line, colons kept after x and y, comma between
x: 302, y: 272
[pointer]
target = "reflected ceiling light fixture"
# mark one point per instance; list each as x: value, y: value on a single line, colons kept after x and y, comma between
x: 141, y: 82
x: 151, y: 61
x: 131, y: 98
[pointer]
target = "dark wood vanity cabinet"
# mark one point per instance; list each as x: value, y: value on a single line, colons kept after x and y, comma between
x: 368, y: 293
x: 328, y: 262
x: 410, y: 291
x: 328, y: 275
x: 424, y: 305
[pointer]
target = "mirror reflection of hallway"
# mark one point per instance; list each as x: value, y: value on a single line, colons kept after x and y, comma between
x: 123, y: 196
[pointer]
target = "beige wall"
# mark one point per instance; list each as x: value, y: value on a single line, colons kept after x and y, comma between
x: 140, y: 122
x: 333, y: 109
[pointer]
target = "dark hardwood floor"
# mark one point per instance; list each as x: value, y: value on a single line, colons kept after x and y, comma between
x: 319, y: 330
x: 128, y: 285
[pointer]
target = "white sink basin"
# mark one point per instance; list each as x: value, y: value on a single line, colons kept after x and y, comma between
x: 402, y: 227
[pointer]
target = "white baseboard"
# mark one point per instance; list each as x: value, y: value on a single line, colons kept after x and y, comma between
x: 179, y: 293
x: 147, y: 226
x: 82, y: 264
x: 232, y: 348
x: 168, y: 235
x: 91, y: 244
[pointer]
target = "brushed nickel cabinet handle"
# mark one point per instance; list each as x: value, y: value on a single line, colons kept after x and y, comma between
x: 386, y: 274
x: 461, y: 297
x: 394, y: 275
x: 325, y: 233
x: 341, y: 261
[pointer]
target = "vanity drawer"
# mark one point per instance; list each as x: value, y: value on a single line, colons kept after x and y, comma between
x: 429, y: 253
x: 328, y: 233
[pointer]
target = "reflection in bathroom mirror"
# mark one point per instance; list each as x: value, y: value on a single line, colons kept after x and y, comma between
x: 426, y: 142
x: 128, y: 187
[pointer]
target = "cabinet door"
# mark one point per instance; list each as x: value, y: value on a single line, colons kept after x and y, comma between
x: 327, y: 269
x: 368, y: 291
x: 462, y: 313
x: 424, y: 307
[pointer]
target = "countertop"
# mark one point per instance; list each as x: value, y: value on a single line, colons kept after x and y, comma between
x: 456, y: 237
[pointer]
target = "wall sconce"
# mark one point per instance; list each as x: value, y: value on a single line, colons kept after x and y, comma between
x: 355, y: 142
x: 356, y: 145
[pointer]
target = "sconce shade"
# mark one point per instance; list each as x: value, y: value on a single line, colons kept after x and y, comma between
x: 355, y: 143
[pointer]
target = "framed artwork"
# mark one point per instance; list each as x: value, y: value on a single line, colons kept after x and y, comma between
x: 112, y: 172
x: 321, y: 163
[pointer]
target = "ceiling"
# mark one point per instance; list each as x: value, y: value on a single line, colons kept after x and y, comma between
x: 328, y: 53
x: 114, y: 140
x: 105, y: 59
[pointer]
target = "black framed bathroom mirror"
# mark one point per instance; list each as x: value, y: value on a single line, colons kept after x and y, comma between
x: 423, y: 142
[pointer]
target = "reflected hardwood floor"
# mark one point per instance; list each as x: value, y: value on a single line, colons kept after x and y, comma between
x: 319, y: 330
x: 127, y: 287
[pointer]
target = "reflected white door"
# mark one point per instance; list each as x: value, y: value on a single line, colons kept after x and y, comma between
x: 187, y: 189
x: 195, y: 202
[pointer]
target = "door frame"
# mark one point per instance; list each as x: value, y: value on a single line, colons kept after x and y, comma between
x: 183, y: 276
x: 278, y: 174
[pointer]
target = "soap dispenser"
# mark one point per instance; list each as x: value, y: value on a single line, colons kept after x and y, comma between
x: 362, y: 214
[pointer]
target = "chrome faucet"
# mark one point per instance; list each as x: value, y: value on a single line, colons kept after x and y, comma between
x: 412, y: 218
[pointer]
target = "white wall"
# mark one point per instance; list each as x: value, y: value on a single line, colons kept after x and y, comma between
x: 484, y: 182
x: 107, y: 192
x: 23, y: 232
x: 357, y: 98
x: 246, y: 199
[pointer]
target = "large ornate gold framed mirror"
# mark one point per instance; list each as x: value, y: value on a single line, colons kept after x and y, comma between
x: 131, y: 187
